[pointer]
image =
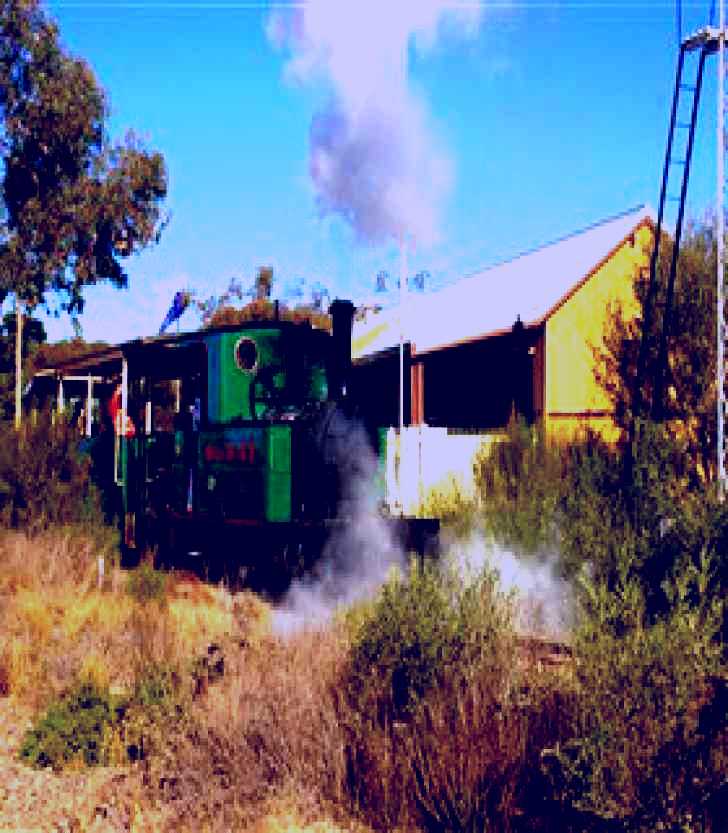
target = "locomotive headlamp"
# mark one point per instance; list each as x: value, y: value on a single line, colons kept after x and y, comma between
x: 246, y: 355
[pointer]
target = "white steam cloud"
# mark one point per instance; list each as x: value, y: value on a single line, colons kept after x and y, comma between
x: 360, y: 551
x: 544, y: 602
x: 374, y: 159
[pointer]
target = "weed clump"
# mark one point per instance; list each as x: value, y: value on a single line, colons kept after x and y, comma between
x: 145, y: 584
x: 74, y: 727
x: 90, y: 725
x: 648, y: 748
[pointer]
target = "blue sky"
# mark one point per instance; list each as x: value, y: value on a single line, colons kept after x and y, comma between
x: 552, y: 115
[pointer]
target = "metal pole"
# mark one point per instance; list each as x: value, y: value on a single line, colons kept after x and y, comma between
x: 18, y: 362
x: 402, y: 293
x: 89, y: 404
x: 124, y: 394
x: 720, y: 269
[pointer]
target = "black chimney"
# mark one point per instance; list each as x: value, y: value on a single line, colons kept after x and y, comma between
x: 342, y: 318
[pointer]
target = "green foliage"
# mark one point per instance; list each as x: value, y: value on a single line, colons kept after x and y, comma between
x: 454, y: 507
x: 156, y: 685
x: 418, y: 630
x: 648, y: 750
x: 73, y: 204
x: 50, y: 355
x: 73, y: 727
x: 571, y: 498
x: 690, y: 402
x: 157, y: 705
x: 33, y: 337
x: 515, y: 479
x: 44, y: 478
x: 539, y: 495
x: 425, y: 634
x: 145, y: 584
x: 89, y: 724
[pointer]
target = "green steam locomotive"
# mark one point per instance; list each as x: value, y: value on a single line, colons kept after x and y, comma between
x: 233, y: 449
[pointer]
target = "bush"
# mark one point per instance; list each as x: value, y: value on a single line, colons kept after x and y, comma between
x: 267, y: 731
x: 650, y: 745
x: 73, y: 728
x: 422, y: 635
x: 145, y: 584
x: 44, y: 478
x: 157, y: 705
x: 453, y: 505
x: 475, y: 750
x: 417, y: 630
x: 516, y: 480
x: 572, y: 498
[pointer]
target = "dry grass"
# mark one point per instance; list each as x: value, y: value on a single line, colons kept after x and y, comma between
x: 266, y: 735
x: 58, y: 624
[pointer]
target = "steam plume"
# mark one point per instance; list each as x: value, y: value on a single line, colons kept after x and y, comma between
x: 544, y: 600
x: 359, y: 553
x: 373, y: 156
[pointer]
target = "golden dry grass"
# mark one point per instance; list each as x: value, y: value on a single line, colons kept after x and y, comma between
x: 58, y: 624
x: 264, y: 749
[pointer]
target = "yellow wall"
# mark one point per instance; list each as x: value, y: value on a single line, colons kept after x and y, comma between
x: 572, y: 397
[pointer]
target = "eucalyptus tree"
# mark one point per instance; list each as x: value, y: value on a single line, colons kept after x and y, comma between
x: 74, y: 205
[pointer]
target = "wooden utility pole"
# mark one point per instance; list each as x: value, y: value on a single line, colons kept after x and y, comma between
x: 18, y: 362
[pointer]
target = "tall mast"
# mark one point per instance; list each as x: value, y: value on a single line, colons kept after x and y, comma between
x: 720, y: 246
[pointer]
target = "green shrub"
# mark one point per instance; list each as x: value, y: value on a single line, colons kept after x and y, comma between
x: 155, y: 708
x: 145, y: 584
x: 515, y: 481
x: 74, y: 727
x: 157, y: 685
x: 455, y: 508
x: 44, y: 478
x: 423, y: 633
x: 649, y: 747
x: 418, y: 629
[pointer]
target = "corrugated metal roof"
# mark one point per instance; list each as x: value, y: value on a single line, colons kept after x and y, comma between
x: 486, y: 303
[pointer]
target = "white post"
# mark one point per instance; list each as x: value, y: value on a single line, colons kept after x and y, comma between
x: 18, y: 361
x: 402, y: 296
x: 720, y: 245
x: 61, y: 403
x: 124, y: 394
x: 89, y: 404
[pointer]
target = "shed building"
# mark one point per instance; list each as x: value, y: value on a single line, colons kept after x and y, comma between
x: 521, y: 334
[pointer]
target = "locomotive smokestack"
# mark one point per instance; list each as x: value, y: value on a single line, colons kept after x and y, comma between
x: 342, y: 316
